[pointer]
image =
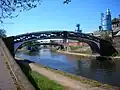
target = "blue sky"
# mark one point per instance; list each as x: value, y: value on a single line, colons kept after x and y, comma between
x: 54, y: 15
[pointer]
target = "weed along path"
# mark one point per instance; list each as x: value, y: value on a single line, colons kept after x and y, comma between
x: 67, y: 82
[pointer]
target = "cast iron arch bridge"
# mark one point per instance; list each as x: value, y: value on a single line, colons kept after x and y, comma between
x: 103, y: 47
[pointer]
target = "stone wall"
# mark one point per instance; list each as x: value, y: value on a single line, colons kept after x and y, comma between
x: 116, y: 43
x: 18, y: 75
x: 106, y: 48
x: 9, y: 42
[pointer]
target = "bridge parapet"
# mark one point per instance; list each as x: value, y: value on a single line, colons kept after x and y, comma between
x: 54, y: 34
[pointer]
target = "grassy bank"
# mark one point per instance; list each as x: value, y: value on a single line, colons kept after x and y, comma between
x: 83, y: 80
x: 76, y: 54
x: 23, y: 50
x: 84, y: 52
x: 39, y: 81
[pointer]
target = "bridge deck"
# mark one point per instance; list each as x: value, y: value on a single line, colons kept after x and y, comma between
x: 6, y: 81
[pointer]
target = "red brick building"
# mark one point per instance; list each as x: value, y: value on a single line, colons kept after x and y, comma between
x: 76, y: 43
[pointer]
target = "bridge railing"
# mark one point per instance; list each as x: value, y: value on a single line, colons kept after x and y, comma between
x: 54, y: 34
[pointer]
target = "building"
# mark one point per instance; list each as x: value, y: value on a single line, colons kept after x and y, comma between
x: 116, y: 26
x: 76, y: 43
x: 106, y: 25
x: 106, y: 22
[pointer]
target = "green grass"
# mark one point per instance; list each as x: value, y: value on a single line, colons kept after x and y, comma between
x: 118, y: 54
x: 39, y: 81
x: 43, y: 83
x: 84, y: 52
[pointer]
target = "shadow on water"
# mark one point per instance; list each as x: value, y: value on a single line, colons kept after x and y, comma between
x: 100, y: 69
x: 106, y: 63
x: 34, y: 53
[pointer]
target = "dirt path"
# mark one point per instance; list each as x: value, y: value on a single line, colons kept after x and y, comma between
x: 11, y: 75
x: 65, y: 81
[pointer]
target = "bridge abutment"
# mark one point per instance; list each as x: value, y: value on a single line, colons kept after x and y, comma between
x: 106, y: 48
x: 9, y: 42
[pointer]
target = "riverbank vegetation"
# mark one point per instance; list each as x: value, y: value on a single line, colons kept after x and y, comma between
x: 39, y: 81
x: 84, y: 52
x: 31, y: 46
x: 116, y: 54
x: 80, y: 49
x: 83, y: 80
x: 3, y: 33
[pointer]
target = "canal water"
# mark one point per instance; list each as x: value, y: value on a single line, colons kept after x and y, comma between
x: 105, y: 71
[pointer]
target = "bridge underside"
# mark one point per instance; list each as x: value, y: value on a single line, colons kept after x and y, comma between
x: 18, y: 45
x: 93, y: 46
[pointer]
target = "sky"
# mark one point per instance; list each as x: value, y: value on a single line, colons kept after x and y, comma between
x: 54, y: 15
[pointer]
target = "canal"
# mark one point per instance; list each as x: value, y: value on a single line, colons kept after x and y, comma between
x: 105, y: 71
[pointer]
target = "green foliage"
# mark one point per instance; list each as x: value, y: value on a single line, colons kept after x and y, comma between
x: 30, y: 43
x: 43, y: 83
x: 2, y: 33
x: 75, y: 47
x: 12, y: 8
x: 116, y: 54
x: 106, y: 35
x: 39, y: 81
x: 84, y: 52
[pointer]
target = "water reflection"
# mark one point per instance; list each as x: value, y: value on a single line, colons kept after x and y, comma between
x: 105, y: 71
x: 100, y: 70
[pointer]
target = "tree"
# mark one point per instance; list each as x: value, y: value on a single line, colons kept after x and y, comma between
x: 30, y: 43
x: 106, y: 35
x: 12, y: 8
x: 66, y: 1
x: 2, y: 33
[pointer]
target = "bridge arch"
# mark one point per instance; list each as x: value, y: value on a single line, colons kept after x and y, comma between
x: 94, y: 44
x: 19, y: 44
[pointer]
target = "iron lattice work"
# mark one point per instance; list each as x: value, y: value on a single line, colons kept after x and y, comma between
x: 55, y: 35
